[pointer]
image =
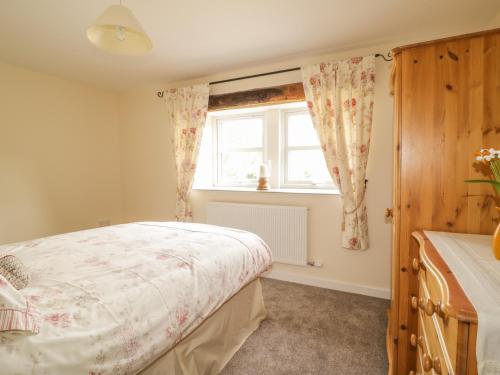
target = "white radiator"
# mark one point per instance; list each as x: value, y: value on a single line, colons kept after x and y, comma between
x: 284, y: 228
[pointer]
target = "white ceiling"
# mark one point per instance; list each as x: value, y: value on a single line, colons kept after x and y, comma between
x: 194, y: 38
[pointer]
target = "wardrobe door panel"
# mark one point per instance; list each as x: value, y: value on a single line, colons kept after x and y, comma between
x: 448, y: 108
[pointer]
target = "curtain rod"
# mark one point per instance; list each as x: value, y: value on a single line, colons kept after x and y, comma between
x: 161, y: 93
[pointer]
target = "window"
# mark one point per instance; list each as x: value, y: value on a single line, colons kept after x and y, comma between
x: 304, y: 163
x: 240, y: 149
x: 236, y: 142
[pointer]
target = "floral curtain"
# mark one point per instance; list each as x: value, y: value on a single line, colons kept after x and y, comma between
x: 187, y: 109
x: 340, y: 100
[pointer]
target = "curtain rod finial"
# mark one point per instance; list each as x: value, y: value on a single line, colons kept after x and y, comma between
x: 387, y: 59
x: 160, y: 94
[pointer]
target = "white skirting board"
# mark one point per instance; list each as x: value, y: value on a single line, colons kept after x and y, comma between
x: 330, y: 284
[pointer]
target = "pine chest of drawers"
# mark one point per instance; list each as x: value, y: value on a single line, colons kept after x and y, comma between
x: 447, y: 321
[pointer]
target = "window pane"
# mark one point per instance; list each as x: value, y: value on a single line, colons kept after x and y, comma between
x: 307, y: 165
x: 240, y: 167
x: 241, y: 133
x: 300, y: 130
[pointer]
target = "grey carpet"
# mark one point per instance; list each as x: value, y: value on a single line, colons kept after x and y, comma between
x: 315, y: 331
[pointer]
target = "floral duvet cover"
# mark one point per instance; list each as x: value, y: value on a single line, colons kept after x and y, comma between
x: 112, y: 300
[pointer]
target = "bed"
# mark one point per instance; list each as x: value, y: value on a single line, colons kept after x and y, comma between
x: 149, y: 298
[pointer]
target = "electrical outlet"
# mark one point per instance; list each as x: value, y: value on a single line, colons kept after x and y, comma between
x: 315, y: 263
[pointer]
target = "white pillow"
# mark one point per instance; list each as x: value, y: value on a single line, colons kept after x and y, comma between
x: 16, y: 313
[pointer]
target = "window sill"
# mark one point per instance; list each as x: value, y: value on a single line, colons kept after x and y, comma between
x: 253, y: 190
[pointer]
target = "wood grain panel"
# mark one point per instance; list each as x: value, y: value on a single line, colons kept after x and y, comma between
x: 471, y: 350
x: 447, y: 108
x: 447, y: 39
x: 416, y: 143
x: 464, y: 342
x: 393, y: 325
x: 293, y: 92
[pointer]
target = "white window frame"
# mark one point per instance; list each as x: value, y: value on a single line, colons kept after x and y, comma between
x: 216, y: 146
x: 274, y: 150
x: 296, y: 184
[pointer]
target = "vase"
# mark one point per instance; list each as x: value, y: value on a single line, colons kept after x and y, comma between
x: 496, y: 240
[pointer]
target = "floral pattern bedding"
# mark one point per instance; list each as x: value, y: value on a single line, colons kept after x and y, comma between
x: 112, y: 300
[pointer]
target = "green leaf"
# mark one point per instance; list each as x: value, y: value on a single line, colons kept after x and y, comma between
x: 496, y: 184
x: 493, y: 182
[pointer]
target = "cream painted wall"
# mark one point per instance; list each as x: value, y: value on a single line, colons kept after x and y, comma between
x: 149, y: 184
x: 147, y: 161
x: 495, y: 21
x: 72, y: 155
x: 59, y: 155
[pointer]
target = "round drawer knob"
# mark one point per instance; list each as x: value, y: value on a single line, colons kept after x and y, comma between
x: 414, y: 303
x: 414, y: 341
x: 429, y: 364
x: 439, y: 309
x: 415, y: 264
x: 417, y: 303
x: 429, y: 308
x: 437, y: 365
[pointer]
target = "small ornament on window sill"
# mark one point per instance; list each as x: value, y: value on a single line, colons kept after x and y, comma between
x: 264, y: 176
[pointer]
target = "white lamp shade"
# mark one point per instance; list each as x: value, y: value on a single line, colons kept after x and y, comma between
x: 118, y: 31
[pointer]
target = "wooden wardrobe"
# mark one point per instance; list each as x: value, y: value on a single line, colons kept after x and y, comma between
x: 447, y: 107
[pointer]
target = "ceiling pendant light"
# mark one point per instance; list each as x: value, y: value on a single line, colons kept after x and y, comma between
x: 118, y: 31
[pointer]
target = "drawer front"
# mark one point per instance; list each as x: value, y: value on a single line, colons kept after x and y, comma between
x: 431, y: 345
x: 454, y: 332
x: 444, y: 311
x: 441, y: 332
x: 431, y: 292
x: 420, y: 366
